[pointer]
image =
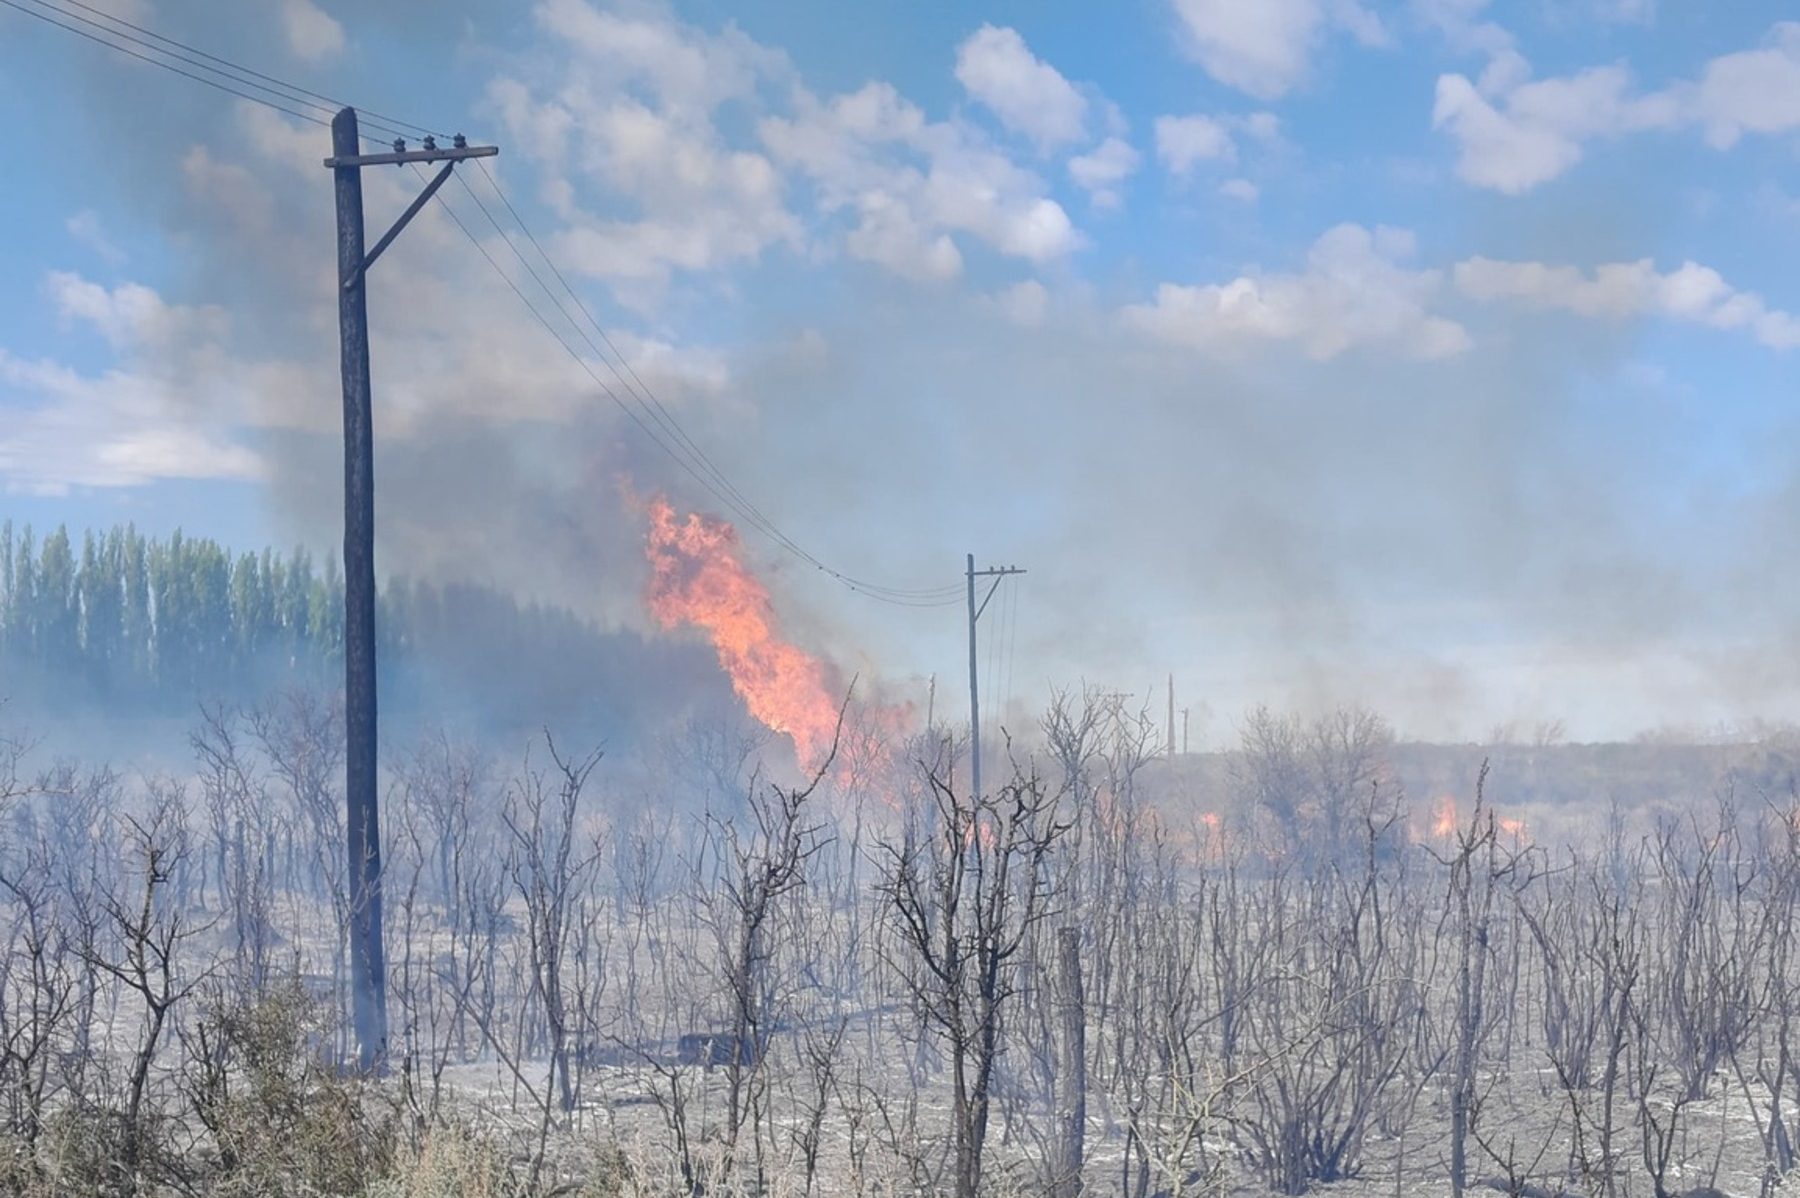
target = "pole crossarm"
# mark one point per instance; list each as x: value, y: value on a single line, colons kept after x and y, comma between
x: 402, y: 157
x: 387, y: 238
x: 998, y: 576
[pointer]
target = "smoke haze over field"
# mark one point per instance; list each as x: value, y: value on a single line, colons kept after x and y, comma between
x: 1469, y: 427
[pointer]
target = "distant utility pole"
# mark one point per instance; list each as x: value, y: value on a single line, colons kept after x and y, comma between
x: 1184, y: 731
x: 1171, y: 717
x: 999, y: 575
x: 368, y: 969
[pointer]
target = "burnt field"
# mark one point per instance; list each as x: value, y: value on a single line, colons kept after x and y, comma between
x: 1317, y: 960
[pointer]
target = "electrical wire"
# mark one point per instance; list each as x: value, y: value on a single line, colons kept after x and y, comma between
x: 642, y: 423
x: 239, y: 67
x: 992, y: 669
x: 286, y: 93
x: 290, y: 99
x: 1012, y: 641
x: 47, y: 19
x: 686, y: 451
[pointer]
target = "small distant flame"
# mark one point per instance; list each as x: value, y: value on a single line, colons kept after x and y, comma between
x: 697, y: 577
x: 983, y: 829
x: 1445, y: 826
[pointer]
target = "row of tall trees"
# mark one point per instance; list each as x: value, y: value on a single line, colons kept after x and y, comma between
x: 131, y: 623
x: 125, y: 615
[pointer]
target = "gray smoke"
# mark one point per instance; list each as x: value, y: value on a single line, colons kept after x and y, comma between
x: 1456, y: 543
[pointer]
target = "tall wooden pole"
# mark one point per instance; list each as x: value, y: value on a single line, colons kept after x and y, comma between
x: 974, y: 695
x: 368, y: 969
x: 1072, y: 1068
x: 999, y: 575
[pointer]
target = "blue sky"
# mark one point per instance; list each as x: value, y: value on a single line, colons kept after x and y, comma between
x: 1436, y: 355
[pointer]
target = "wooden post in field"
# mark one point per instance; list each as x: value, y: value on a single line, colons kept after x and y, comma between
x: 1071, y: 1069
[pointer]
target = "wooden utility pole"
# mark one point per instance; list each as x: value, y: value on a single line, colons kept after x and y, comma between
x: 368, y: 968
x: 1072, y: 1069
x: 999, y: 575
x: 1171, y: 717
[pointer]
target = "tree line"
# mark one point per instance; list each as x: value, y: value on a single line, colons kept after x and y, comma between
x: 123, y: 615
x: 137, y: 624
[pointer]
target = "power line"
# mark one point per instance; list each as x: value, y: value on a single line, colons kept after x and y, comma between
x: 884, y: 595
x: 290, y: 99
x: 1012, y: 643
x: 156, y: 62
x: 284, y: 93
x: 363, y: 113
x: 636, y: 385
x: 690, y: 456
x: 100, y: 35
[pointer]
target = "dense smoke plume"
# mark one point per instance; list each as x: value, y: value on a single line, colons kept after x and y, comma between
x: 1445, y: 535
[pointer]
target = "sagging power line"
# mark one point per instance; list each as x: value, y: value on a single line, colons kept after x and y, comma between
x: 639, y: 402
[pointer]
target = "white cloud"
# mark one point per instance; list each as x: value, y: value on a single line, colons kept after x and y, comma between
x: 144, y: 419
x: 1514, y: 133
x: 1028, y: 94
x: 704, y: 206
x: 632, y: 118
x: 1240, y: 189
x: 1100, y: 171
x: 85, y: 227
x: 1354, y: 293
x: 230, y: 188
x: 312, y: 33
x: 872, y: 153
x: 1537, y: 131
x: 1024, y: 303
x: 1754, y: 91
x: 639, y: 137
x: 1629, y: 12
x: 678, y: 67
x: 94, y: 432
x: 889, y: 234
x: 131, y: 316
x: 1691, y: 293
x: 1263, y: 126
x: 1183, y: 141
x: 1264, y: 47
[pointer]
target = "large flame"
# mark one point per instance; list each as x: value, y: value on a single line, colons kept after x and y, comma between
x: 698, y: 578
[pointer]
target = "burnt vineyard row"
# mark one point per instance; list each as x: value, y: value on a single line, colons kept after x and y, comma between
x: 877, y: 985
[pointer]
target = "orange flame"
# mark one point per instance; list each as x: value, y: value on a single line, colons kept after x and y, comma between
x: 1443, y: 818
x: 981, y: 829
x: 1446, y: 825
x: 698, y: 578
